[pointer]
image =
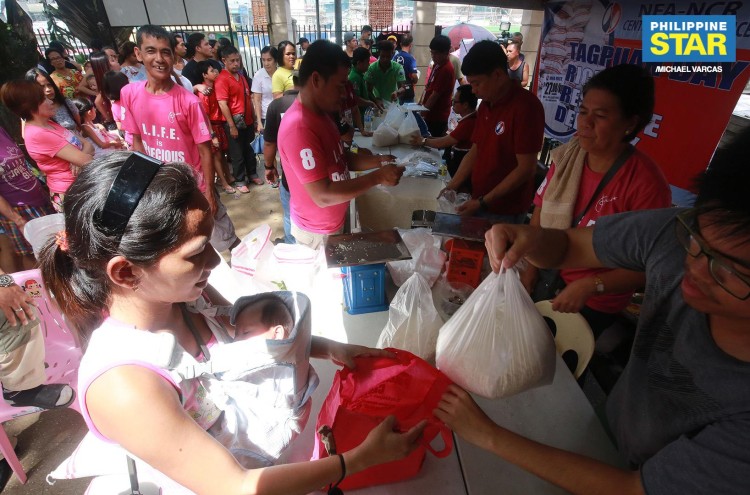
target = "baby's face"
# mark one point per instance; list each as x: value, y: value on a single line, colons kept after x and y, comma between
x: 248, y: 325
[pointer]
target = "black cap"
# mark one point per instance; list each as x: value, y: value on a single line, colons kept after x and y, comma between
x: 303, y: 40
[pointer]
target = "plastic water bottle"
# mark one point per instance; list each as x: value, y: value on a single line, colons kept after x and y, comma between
x: 369, y: 114
x: 443, y: 172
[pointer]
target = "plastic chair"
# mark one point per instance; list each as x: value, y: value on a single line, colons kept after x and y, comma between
x: 574, y: 339
x: 62, y: 357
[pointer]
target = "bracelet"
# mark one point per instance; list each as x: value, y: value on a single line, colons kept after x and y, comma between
x: 269, y: 168
x: 482, y: 203
x: 424, y: 140
x: 334, y: 488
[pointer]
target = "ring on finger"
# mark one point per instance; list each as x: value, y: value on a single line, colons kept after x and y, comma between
x: 18, y: 310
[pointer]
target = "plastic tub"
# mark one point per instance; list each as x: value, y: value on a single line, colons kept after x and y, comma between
x: 38, y: 230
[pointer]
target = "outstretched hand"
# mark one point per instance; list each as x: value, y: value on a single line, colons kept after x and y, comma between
x: 344, y: 354
x: 461, y: 414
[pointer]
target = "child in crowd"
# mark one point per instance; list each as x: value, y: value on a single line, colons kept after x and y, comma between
x: 218, y: 135
x: 264, y: 317
x: 113, y: 84
x: 103, y: 141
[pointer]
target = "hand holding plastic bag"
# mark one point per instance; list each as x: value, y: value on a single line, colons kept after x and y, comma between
x: 497, y: 344
x: 413, y: 322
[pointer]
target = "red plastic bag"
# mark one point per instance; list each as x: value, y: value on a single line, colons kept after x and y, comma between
x: 360, y: 399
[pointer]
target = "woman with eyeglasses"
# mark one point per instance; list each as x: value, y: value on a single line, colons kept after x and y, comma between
x: 680, y: 412
x: 132, y: 266
x: 599, y: 173
x: 282, y: 78
x: 70, y: 81
x: 58, y: 152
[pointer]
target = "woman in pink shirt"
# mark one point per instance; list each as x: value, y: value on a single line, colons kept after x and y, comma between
x: 57, y: 151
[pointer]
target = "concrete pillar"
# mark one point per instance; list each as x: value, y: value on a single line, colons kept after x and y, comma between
x: 279, y: 21
x: 423, y: 30
x: 531, y: 28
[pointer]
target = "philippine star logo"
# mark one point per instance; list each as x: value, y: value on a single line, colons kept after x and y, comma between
x: 686, y: 39
x: 500, y: 128
x: 611, y: 18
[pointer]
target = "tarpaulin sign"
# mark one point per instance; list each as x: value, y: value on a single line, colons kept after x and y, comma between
x: 698, y: 53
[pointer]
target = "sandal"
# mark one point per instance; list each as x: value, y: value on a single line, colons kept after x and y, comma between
x: 243, y: 189
x: 44, y: 396
x: 229, y: 189
x: 258, y: 181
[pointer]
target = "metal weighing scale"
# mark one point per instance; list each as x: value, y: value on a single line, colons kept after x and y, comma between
x: 456, y: 226
x: 365, y: 248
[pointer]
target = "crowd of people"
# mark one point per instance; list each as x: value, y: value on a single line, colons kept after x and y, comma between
x: 133, y: 259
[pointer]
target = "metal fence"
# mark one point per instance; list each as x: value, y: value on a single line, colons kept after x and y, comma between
x: 249, y: 40
x: 75, y: 47
x: 328, y: 32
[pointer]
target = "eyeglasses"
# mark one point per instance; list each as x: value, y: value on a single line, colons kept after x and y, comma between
x: 721, y: 270
x: 455, y: 102
x: 126, y: 192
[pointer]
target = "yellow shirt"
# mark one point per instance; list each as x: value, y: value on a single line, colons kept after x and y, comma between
x: 282, y: 80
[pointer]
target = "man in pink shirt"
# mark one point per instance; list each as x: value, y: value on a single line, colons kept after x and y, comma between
x: 168, y: 123
x: 316, y: 164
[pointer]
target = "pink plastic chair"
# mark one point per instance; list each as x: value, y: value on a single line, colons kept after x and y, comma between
x: 62, y: 357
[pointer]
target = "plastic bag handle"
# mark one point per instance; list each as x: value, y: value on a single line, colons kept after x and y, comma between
x: 447, y: 435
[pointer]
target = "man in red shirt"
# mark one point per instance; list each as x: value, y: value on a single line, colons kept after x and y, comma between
x: 439, y: 88
x: 233, y: 94
x: 506, y: 140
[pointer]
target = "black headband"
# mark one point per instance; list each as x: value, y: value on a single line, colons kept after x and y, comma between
x: 126, y: 192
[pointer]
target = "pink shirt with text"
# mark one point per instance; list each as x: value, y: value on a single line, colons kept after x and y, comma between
x: 171, y: 125
x: 310, y: 148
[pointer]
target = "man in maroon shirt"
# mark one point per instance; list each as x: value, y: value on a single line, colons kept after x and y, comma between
x: 507, y: 138
x: 233, y: 94
x: 439, y: 88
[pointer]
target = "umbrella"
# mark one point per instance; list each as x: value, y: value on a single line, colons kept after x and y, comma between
x: 464, y: 31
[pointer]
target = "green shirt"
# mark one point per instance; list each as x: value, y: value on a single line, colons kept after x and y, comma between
x: 358, y: 80
x: 385, y: 83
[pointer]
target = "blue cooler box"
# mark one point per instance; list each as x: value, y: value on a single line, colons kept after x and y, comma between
x: 364, y: 289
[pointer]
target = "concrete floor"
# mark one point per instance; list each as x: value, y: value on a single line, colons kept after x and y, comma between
x: 45, y: 442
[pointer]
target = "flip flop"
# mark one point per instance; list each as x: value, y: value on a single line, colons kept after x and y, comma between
x: 43, y: 396
x: 229, y: 189
x: 258, y: 181
x: 243, y: 189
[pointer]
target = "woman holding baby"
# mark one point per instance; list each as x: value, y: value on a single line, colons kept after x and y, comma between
x: 132, y: 264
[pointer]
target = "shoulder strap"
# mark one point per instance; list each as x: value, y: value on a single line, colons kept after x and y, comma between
x: 189, y: 322
x: 605, y: 180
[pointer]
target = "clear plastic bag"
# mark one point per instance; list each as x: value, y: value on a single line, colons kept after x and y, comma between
x: 413, y: 322
x: 497, y: 344
x: 384, y: 136
x: 408, y: 129
x: 427, y: 258
x: 394, y: 116
x: 449, y: 200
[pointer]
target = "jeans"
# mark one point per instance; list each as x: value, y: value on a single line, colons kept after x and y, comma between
x: 244, y: 163
x: 422, y: 125
x: 284, y: 195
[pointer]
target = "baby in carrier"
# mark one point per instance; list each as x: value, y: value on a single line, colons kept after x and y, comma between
x: 271, y: 382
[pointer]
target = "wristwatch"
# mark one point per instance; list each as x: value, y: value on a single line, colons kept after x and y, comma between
x: 599, y: 284
x: 6, y: 280
x: 482, y: 203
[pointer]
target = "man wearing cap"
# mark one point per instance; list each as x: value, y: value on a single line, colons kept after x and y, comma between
x: 303, y: 44
x: 315, y: 162
x: 350, y: 44
x: 385, y: 78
